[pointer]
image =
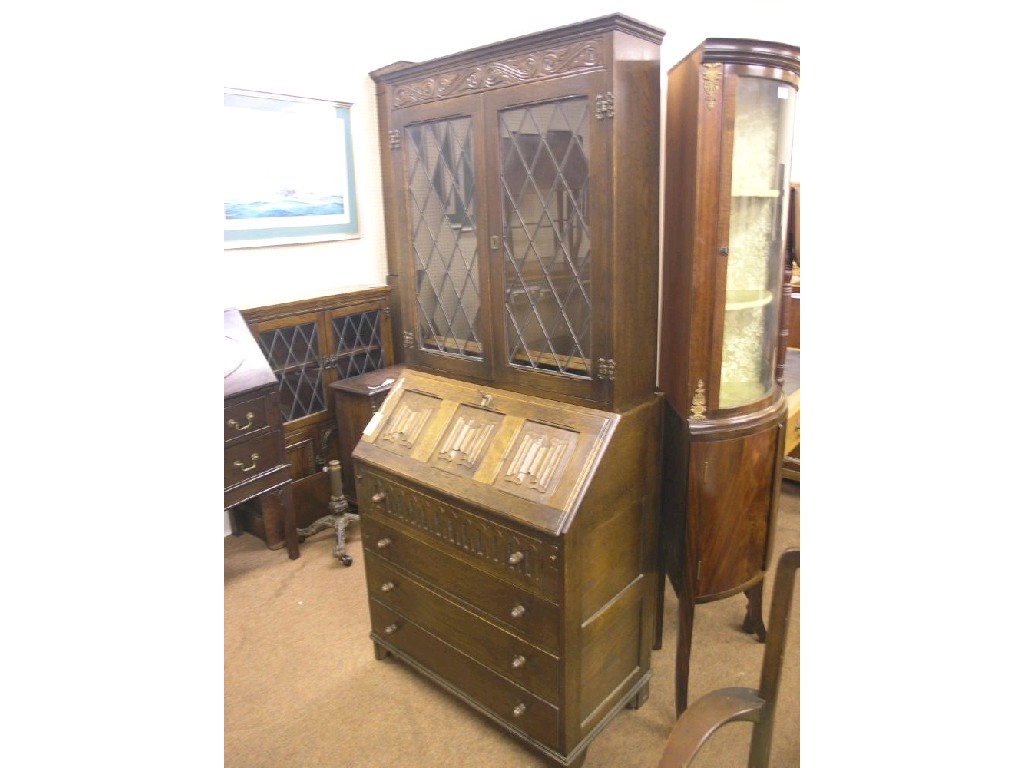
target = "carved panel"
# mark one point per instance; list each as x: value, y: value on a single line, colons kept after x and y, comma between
x: 469, y: 434
x: 407, y: 422
x: 524, y: 68
x: 536, y: 462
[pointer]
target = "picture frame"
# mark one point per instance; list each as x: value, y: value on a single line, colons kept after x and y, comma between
x: 288, y: 171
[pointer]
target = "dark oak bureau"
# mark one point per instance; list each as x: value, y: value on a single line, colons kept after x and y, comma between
x: 504, y: 557
x: 254, y: 460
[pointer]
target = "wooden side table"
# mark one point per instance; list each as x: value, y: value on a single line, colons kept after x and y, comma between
x: 356, y: 399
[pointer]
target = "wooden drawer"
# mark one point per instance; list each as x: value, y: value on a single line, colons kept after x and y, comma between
x: 511, y: 555
x: 245, y: 418
x: 512, y: 705
x: 508, y: 605
x: 249, y: 459
x: 505, y: 653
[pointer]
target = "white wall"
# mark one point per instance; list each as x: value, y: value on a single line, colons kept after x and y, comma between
x: 324, y: 49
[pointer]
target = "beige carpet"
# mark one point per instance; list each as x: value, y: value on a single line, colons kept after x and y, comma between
x: 302, y: 688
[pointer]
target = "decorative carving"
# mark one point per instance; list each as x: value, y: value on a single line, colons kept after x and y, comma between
x: 699, y: 406
x: 405, y: 426
x: 711, y: 80
x: 540, y: 65
x: 536, y: 461
x: 465, y: 441
x: 472, y: 534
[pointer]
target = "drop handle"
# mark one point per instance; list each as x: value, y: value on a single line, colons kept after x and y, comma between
x: 390, y: 629
x: 515, y: 558
x: 241, y: 464
x: 387, y: 586
x: 242, y: 427
x: 378, y: 497
x: 383, y: 543
x: 518, y: 612
x: 518, y: 662
x: 520, y: 710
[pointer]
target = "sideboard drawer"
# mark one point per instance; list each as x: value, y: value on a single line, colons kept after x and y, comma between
x: 516, y: 707
x: 245, y: 418
x: 511, y: 606
x: 251, y: 458
x: 511, y: 555
x: 505, y: 653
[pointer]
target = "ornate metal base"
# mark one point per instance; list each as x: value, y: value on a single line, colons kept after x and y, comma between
x: 339, y: 517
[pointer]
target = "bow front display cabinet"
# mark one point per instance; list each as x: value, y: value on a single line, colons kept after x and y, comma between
x: 728, y: 138
x: 509, y: 485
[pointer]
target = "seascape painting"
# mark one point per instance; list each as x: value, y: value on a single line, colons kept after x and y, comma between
x: 287, y: 173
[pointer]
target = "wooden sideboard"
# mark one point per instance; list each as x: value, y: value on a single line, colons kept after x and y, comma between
x: 254, y: 462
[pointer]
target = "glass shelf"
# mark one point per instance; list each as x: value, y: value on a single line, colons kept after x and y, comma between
x: 736, y: 300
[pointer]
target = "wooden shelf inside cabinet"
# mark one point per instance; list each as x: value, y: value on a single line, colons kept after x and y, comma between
x: 311, y: 344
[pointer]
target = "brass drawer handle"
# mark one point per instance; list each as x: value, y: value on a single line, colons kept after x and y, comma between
x: 518, y: 612
x: 378, y: 497
x: 519, y: 711
x: 383, y: 543
x: 390, y: 629
x: 518, y: 662
x: 515, y: 558
x: 387, y: 586
x: 241, y: 464
x: 239, y: 427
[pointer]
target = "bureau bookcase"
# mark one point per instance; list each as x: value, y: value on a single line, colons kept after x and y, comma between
x: 508, y: 486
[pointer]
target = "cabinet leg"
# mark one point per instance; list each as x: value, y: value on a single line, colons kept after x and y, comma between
x: 380, y: 652
x: 659, y: 611
x: 640, y: 698
x: 684, y: 639
x: 753, y: 622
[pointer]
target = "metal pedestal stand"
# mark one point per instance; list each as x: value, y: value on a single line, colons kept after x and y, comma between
x: 338, y: 514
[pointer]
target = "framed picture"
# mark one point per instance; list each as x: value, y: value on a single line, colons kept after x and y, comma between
x: 287, y: 170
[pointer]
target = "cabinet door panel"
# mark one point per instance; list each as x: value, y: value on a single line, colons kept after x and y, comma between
x: 732, y: 484
x: 551, y: 316
x: 446, y: 242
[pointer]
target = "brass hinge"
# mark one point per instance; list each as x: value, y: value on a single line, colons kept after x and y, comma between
x: 407, y: 340
x: 605, y: 106
x: 606, y: 369
x: 712, y: 78
x: 395, y: 139
x: 387, y: 311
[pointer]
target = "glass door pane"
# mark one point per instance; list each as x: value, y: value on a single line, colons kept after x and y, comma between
x: 544, y: 152
x: 757, y: 224
x: 443, y: 222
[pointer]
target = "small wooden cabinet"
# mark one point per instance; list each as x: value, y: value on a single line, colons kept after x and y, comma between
x: 728, y: 138
x: 254, y: 461
x: 310, y: 344
x: 356, y: 399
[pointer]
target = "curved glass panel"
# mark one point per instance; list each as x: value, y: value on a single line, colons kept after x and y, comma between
x: 762, y: 144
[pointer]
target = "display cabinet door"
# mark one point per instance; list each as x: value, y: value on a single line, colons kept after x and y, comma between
x: 552, y: 297
x: 756, y: 173
x: 445, y: 266
x: 295, y: 348
x: 360, y: 341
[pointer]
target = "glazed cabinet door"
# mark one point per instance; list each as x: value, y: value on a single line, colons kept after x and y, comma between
x: 437, y: 180
x: 549, y: 228
x: 757, y: 142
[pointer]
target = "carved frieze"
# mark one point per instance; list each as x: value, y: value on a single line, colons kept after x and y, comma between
x: 524, y: 68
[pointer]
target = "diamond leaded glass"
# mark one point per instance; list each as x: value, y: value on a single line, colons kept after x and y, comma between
x: 358, y: 348
x: 444, y: 236
x: 545, y: 182
x: 293, y: 354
